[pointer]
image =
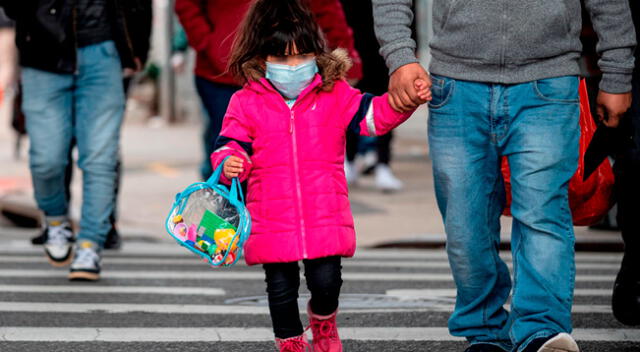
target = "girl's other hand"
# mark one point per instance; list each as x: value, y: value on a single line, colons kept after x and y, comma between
x: 423, y: 89
x: 233, y: 167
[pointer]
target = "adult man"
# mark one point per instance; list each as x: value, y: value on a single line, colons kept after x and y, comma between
x: 72, y: 54
x: 505, y: 83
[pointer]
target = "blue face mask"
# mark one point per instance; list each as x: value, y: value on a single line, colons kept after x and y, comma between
x: 290, y: 81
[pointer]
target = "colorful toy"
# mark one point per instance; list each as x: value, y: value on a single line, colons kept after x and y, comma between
x: 180, y: 231
x: 223, y: 238
x: 192, y: 233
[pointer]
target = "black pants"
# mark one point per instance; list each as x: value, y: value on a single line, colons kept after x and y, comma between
x: 627, y: 171
x: 324, y: 280
x: 383, y: 147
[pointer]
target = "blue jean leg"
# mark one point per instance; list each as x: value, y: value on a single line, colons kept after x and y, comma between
x: 542, y: 148
x: 470, y: 195
x: 48, y: 107
x: 215, y: 99
x: 99, y: 108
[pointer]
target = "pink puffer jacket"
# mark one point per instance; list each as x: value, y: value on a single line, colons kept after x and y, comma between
x: 294, y: 163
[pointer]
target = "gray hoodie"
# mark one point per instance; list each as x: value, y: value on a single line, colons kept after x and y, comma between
x: 511, y: 41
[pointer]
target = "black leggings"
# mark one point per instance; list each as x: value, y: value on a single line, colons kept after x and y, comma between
x: 324, y: 280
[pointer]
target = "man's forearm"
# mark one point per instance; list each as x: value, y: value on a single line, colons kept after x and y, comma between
x: 616, y: 43
x: 393, y: 20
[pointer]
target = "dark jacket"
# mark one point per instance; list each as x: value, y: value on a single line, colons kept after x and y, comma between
x: 46, y: 35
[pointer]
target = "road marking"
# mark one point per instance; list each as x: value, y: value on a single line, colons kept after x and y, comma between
x: 221, y: 274
x: 147, y: 290
x: 265, y: 334
x: 350, y: 263
x: 430, y: 293
x: 169, y: 248
x: 120, y: 308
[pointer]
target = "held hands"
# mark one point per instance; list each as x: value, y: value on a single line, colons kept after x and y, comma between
x: 409, y: 87
x: 233, y: 167
x: 611, y: 107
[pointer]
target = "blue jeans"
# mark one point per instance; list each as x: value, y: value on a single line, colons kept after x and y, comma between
x: 215, y: 98
x: 536, y: 126
x: 89, y: 106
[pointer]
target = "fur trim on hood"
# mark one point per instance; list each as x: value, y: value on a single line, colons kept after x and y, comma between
x: 331, y: 66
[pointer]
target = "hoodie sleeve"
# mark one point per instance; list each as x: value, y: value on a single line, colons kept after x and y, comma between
x: 235, y: 140
x: 367, y: 114
x: 616, y: 42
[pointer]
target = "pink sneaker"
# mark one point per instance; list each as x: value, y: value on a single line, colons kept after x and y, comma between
x: 293, y: 344
x: 325, y: 332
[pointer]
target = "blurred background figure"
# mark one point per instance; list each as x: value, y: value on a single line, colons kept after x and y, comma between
x: 211, y: 26
x: 376, y: 156
x: 8, y: 73
x: 72, y: 57
x: 626, y: 292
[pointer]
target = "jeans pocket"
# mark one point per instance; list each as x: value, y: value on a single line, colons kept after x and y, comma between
x: 109, y: 49
x: 441, y: 91
x: 558, y: 90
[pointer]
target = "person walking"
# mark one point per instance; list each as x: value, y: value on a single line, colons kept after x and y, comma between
x: 504, y: 83
x: 626, y: 291
x: 211, y: 26
x: 72, y: 55
x: 284, y: 133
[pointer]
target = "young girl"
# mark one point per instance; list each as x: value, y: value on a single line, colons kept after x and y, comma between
x: 284, y: 133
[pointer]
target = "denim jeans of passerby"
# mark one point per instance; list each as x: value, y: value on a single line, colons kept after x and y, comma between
x: 324, y: 279
x: 536, y: 126
x: 215, y: 99
x: 87, y: 105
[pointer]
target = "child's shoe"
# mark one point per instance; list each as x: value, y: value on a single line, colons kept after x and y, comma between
x: 86, y: 264
x: 293, y: 344
x: 325, y: 332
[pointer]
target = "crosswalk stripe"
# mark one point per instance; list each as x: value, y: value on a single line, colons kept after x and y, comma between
x: 264, y: 334
x: 430, y: 293
x: 234, y: 275
x: 350, y: 263
x: 119, y: 308
x: 147, y: 290
x: 210, y: 291
x: 167, y: 248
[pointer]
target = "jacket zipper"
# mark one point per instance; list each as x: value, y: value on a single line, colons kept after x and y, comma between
x: 74, y: 15
x: 125, y: 28
x: 296, y: 169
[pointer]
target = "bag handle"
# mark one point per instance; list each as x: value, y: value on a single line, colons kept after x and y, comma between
x: 235, y: 191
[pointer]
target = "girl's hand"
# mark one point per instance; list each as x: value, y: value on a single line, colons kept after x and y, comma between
x: 423, y: 89
x: 233, y: 167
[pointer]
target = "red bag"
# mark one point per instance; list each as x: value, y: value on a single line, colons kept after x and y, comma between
x: 589, y: 200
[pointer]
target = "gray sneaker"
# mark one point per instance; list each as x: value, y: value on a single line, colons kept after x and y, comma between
x: 86, y: 264
x: 59, y: 244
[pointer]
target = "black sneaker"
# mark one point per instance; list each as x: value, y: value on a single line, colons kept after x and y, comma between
x: 59, y: 243
x: 113, y: 241
x: 625, y: 302
x: 40, y: 239
x: 561, y: 342
x: 484, y: 347
x: 86, y: 264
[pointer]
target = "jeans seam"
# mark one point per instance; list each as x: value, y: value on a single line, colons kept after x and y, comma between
x: 492, y: 198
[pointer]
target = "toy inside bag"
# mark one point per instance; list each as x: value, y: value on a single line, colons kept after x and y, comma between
x: 210, y: 220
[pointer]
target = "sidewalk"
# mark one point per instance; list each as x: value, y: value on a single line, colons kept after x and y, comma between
x: 160, y: 161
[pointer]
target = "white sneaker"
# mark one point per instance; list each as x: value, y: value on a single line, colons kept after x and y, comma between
x: 385, y: 180
x: 86, y: 264
x: 562, y: 342
x: 59, y: 244
x: 351, y: 172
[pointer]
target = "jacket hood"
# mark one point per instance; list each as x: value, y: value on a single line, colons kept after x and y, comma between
x: 331, y: 67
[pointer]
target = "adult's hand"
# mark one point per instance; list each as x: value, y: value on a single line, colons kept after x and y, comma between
x: 402, y: 92
x: 611, y: 107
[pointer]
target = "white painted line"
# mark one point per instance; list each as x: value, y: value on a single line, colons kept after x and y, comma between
x: 120, y: 308
x: 451, y: 292
x: 265, y: 334
x: 221, y: 274
x: 169, y: 248
x: 147, y: 290
x: 350, y: 263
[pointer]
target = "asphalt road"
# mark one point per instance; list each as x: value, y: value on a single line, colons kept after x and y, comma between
x: 156, y: 297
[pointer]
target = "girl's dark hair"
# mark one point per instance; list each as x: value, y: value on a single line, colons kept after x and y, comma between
x: 270, y: 28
